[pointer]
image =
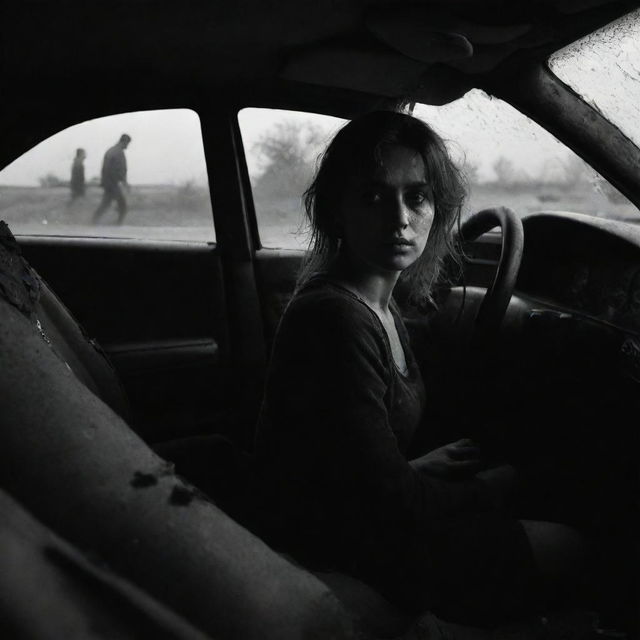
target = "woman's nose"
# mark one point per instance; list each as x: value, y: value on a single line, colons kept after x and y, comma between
x: 400, y: 213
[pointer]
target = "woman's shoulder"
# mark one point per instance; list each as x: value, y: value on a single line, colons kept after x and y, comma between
x: 324, y: 301
x: 323, y: 308
x: 324, y: 322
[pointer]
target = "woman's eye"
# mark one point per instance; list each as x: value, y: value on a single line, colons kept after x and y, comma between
x: 417, y: 197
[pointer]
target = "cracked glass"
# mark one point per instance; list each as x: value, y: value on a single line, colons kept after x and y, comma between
x: 604, y: 68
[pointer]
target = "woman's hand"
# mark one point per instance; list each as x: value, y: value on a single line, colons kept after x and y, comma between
x: 460, y: 458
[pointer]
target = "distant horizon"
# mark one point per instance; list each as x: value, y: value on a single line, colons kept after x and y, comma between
x: 65, y: 185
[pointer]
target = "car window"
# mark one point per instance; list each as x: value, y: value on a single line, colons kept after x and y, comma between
x: 282, y: 148
x: 508, y: 160
x: 604, y: 68
x: 138, y: 175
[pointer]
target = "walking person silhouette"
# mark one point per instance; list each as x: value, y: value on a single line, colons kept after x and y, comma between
x: 114, y: 179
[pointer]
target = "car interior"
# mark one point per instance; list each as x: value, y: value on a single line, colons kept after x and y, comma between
x: 133, y: 357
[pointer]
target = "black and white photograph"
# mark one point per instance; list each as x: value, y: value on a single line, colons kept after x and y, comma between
x: 320, y: 320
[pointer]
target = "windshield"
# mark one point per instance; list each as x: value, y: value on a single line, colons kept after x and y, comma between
x: 511, y: 160
x: 604, y: 68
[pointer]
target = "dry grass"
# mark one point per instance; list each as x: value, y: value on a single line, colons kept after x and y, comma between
x: 184, y: 212
x: 157, y: 207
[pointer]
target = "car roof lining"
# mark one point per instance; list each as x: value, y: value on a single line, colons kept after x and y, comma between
x: 394, y: 53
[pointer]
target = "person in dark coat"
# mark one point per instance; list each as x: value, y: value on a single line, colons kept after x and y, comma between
x: 114, y: 179
x: 77, y: 183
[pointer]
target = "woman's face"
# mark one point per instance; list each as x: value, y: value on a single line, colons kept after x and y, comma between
x: 387, y: 213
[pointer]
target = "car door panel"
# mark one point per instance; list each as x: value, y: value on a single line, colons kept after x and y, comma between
x: 158, y: 310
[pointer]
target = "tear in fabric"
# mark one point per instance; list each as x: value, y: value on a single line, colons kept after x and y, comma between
x: 19, y: 284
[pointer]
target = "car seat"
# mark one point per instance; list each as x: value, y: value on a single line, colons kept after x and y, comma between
x: 69, y: 458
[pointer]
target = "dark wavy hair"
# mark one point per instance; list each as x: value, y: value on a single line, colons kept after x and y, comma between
x: 358, y: 145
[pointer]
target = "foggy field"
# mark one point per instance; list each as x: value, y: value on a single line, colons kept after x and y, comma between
x: 162, y: 212
x: 183, y: 212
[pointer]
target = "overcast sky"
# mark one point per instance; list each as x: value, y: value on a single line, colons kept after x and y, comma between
x: 166, y: 148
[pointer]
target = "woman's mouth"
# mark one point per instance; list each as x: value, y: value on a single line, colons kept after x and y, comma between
x: 399, y: 242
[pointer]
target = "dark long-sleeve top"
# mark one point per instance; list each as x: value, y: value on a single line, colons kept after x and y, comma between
x: 337, y: 420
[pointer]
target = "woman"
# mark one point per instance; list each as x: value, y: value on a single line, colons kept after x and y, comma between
x: 344, y: 398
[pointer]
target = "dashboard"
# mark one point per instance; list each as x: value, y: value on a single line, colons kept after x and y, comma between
x: 583, y: 264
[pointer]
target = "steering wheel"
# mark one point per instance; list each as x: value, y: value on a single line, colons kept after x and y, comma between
x: 496, y: 301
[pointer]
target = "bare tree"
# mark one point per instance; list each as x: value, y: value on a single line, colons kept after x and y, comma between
x: 287, y: 155
x: 507, y: 174
x: 51, y: 180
